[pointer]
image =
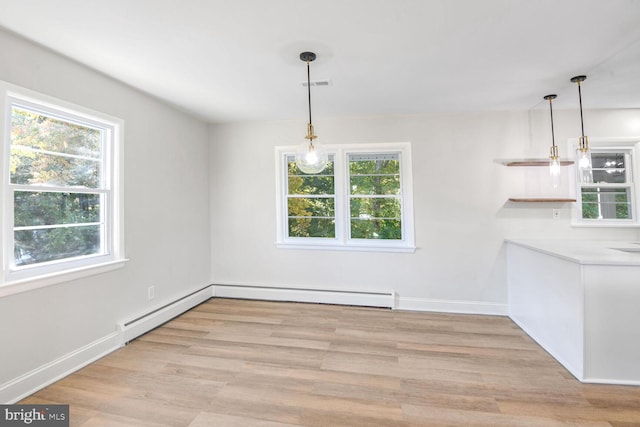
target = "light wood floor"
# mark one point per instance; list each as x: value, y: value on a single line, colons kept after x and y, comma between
x: 256, y: 363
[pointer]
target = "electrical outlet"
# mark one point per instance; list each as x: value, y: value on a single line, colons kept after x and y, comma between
x: 152, y: 292
x: 555, y: 213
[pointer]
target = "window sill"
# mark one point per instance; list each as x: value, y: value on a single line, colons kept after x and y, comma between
x: 36, y: 282
x: 346, y: 248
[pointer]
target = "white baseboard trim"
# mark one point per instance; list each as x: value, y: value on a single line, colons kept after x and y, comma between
x: 452, y: 306
x: 27, y: 384
x: 322, y: 296
x: 144, y: 322
x: 387, y: 299
x: 609, y: 381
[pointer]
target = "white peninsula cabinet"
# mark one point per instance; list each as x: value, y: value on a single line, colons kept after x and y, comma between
x: 580, y: 300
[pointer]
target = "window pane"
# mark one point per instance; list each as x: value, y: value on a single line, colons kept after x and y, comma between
x: 374, y: 174
x: 375, y: 218
x: 365, y: 164
x: 302, y: 206
x: 311, y: 217
x: 51, y: 151
x: 51, y: 208
x: 312, y: 227
x: 606, y: 203
x: 608, y: 167
x: 388, y: 229
x: 39, y: 131
x: 375, y: 207
x: 311, y: 184
x: 375, y: 184
x: 34, y: 246
x: 33, y: 167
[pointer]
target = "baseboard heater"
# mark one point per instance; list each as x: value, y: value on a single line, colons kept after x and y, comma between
x: 361, y: 298
x: 143, y: 323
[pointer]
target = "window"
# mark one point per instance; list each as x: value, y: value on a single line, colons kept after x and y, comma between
x: 611, y: 199
x: 311, y: 201
x: 361, y: 201
x: 60, y: 187
x: 375, y: 201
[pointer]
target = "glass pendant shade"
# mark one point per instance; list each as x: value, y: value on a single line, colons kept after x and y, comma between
x: 311, y: 158
x: 554, y: 171
x: 554, y: 168
x: 585, y: 170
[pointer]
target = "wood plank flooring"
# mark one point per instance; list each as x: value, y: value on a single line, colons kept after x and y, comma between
x: 256, y: 363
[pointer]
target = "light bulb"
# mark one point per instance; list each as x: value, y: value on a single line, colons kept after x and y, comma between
x: 554, y: 172
x: 311, y: 158
x: 554, y: 163
x: 584, y: 161
x: 584, y: 167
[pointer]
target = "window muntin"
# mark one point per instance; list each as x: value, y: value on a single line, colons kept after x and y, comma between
x: 61, y: 190
x: 362, y: 201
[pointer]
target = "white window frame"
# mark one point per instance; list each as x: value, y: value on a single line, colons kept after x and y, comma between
x: 16, y: 279
x: 343, y: 241
x: 631, y: 146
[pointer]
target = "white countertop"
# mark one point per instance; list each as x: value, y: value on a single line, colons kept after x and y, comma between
x: 589, y: 252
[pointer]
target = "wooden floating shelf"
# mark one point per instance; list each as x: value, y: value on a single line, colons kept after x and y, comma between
x: 534, y: 162
x: 541, y: 200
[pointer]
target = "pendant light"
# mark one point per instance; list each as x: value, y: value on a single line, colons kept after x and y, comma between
x: 310, y: 157
x: 554, y: 159
x: 584, y: 154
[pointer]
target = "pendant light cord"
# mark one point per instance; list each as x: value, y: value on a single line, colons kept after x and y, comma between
x: 580, y: 98
x: 309, y: 91
x: 553, y: 138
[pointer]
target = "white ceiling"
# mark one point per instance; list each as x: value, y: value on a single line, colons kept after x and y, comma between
x: 236, y: 60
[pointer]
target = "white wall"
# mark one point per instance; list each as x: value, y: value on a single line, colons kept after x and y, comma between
x: 460, y: 194
x: 166, y: 216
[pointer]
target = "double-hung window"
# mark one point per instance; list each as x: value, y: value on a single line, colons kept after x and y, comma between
x: 361, y: 201
x: 311, y: 202
x: 611, y: 200
x: 60, y: 187
x: 375, y: 198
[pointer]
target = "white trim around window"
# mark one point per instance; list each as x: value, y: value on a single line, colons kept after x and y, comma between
x: 340, y: 199
x: 629, y: 149
x: 103, y: 193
